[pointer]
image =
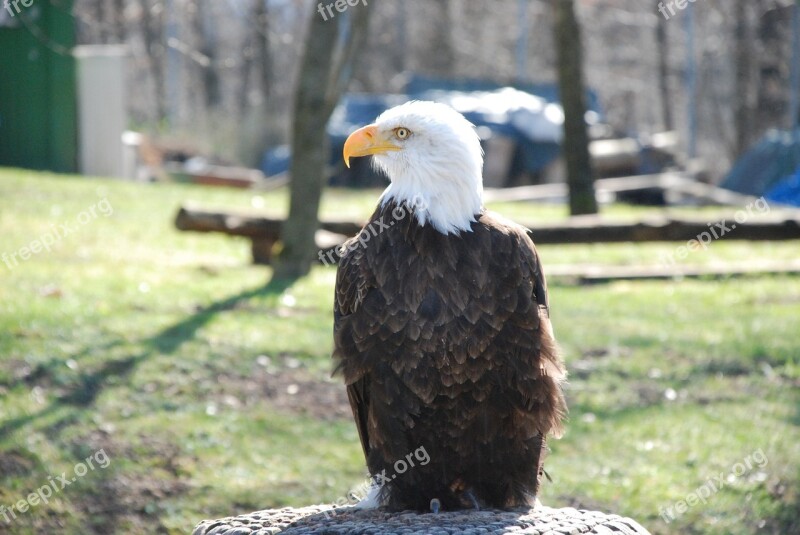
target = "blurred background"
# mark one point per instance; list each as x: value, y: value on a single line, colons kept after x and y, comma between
x: 216, y: 80
x: 172, y: 193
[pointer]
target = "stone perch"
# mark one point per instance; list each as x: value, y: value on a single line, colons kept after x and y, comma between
x: 326, y: 520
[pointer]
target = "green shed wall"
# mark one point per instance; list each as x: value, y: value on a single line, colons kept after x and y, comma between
x: 38, y: 104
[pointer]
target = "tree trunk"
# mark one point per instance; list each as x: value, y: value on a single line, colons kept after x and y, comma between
x: 325, y: 71
x: 575, y: 149
x: 153, y: 35
x: 118, y: 21
x: 775, y: 36
x: 198, y: 89
x: 744, y: 62
x: 256, y: 64
x: 261, y: 16
x: 100, y: 22
x: 443, y: 61
x: 246, y: 67
x: 662, y: 46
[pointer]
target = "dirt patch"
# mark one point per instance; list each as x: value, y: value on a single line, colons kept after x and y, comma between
x: 287, y: 387
x: 15, y: 463
x: 115, y: 502
x: 128, y: 504
x: 297, y: 391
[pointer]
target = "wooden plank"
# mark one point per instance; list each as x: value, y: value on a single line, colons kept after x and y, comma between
x: 673, y: 184
x: 590, y: 229
x: 554, y: 192
x: 593, y: 230
x: 599, y: 274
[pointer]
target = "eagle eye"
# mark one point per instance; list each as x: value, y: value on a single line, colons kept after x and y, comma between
x: 402, y: 133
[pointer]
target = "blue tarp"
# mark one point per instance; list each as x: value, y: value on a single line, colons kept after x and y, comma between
x: 529, y: 114
x: 774, y: 158
x: 786, y: 191
x: 419, y: 85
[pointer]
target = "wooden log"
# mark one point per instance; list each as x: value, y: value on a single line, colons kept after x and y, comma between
x: 265, y: 232
x: 348, y: 521
x: 248, y: 225
x: 190, y: 219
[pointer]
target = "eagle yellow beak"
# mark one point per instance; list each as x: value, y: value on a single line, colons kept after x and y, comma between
x: 367, y: 141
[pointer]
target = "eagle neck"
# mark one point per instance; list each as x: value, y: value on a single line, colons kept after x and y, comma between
x: 449, y: 205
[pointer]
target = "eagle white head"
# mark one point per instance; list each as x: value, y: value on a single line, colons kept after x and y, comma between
x: 433, y: 158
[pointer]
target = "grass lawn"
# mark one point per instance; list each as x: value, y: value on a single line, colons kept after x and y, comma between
x: 204, y: 391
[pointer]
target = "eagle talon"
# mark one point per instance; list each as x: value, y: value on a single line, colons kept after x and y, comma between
x: 435, y: 506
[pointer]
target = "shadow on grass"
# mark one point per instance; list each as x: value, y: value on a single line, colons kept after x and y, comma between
x: 170, y: 339
x: 89, y: 386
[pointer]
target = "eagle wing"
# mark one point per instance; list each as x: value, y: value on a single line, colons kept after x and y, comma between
x: 550, y: 364
x: 539, y: 281
x: 495, y: 307
x: 351, y: 288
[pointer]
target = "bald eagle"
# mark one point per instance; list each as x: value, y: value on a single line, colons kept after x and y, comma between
x: 441, y: 326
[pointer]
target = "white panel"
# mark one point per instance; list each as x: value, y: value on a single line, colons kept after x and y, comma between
x: 102, y: 108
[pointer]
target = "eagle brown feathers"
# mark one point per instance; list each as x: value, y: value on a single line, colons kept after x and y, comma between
x: 444, y: 342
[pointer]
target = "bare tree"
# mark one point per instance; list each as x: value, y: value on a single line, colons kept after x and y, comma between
x: 246, y: 67
x: 743, y: 57
x: 262, y: 48
x: 118, y: 22
x: 662, y: 49
x: 325, y: 72
x: 197, y: 89
x: 447, y: 38
x: 580, y: 179
x: 443, y: 60
x: 100, y: 25
x: 256, y: 67
x: 152, y: 25
x: 775, y: 36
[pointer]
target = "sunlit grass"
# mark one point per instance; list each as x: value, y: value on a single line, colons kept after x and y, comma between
x: 164, y: 348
